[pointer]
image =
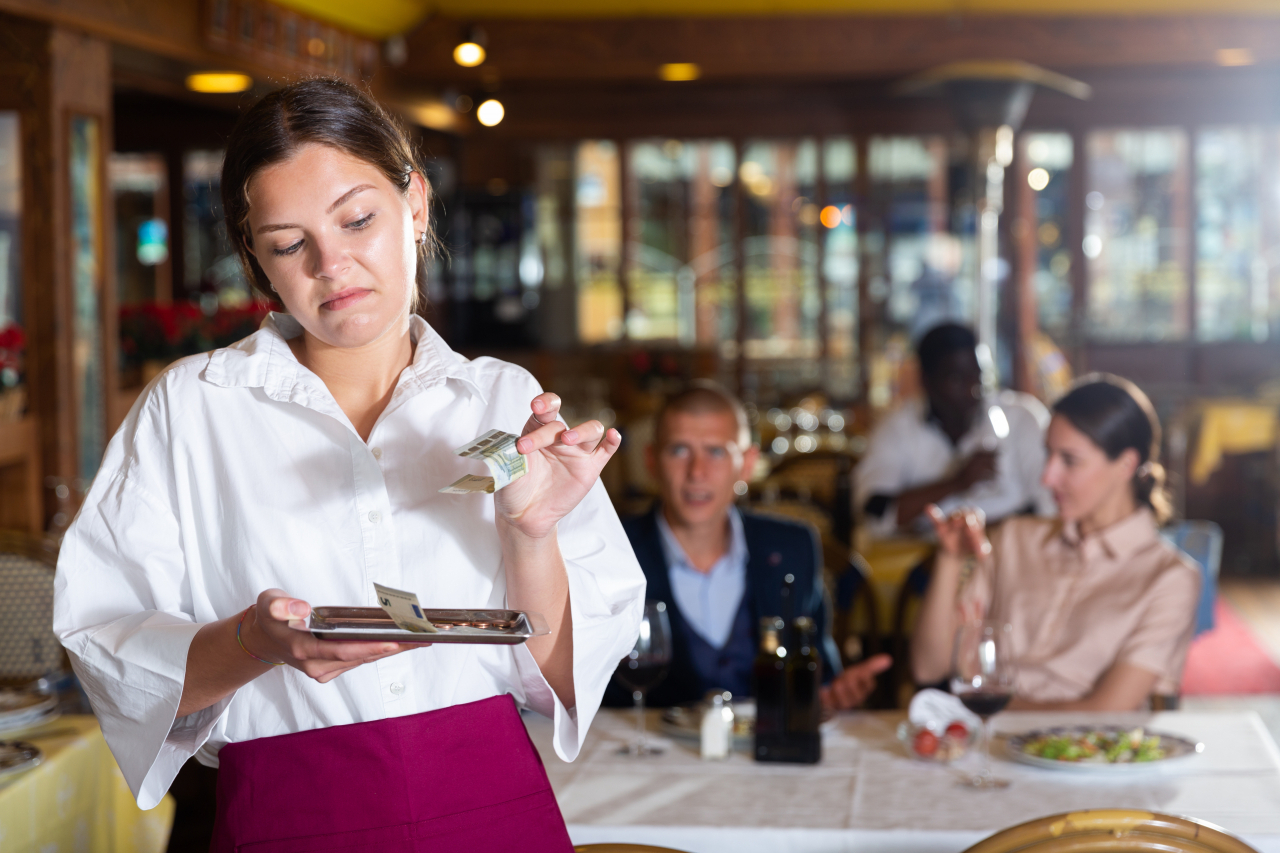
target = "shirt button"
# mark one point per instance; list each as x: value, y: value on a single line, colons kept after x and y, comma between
x: 375, y: 516
x: 377, y: 453
x: 396, y: 688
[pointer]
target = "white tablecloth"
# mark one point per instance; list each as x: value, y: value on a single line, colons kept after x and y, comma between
x: 867, y: 794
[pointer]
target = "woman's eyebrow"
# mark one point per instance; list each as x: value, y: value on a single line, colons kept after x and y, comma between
x: 347, y: 196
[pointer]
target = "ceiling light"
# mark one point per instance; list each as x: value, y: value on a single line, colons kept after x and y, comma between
x: 679, y: 71
x: 221, y: 82
x: 830, y: 216
x: 1233, y: 56
x: 490, y: 112
x: 468, y: 54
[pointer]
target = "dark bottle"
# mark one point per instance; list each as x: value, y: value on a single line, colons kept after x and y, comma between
x: 770, y: 687
x: 804, y: 700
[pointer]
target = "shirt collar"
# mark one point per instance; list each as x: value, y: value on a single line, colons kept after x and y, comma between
x: 675, y: 553
x: 1119, y: 541
x: 264, y: 360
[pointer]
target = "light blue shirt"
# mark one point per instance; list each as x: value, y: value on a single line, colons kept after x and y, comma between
x: 709, y: 601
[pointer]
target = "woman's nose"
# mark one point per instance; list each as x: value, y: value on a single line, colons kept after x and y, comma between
x: 328, y: 260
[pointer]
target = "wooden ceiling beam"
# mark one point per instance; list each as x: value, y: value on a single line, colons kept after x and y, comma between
x: 822, y: 47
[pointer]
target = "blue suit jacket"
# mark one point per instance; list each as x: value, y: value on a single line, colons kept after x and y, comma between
x: 774, y: 548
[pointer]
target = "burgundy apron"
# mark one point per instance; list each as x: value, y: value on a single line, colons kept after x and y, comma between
x: 463, y: 778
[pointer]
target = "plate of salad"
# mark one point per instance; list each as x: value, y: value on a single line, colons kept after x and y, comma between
x: 1108, y: 749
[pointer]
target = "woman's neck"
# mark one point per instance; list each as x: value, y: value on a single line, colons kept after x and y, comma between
x: 1115, y: 508
x: 361, y: 379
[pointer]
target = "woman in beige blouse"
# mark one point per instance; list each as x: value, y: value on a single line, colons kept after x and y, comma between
x: 1102, y: 609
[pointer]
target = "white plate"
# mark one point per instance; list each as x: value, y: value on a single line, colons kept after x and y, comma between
x: 48, y: 716
x: 19, y: 708
x: 1177, y: 749
x: 16, y: 757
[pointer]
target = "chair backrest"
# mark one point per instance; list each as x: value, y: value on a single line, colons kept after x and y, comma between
x: 28, y: 646
x: 1112, y: 831
x: 1202, y: 542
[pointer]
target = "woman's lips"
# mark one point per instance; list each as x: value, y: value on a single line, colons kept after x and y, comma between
x: 345, y: 298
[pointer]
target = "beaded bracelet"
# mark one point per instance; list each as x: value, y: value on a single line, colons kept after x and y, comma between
x: 242, y: 645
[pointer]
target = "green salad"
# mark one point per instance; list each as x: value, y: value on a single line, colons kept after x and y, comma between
x: 1099, y: 747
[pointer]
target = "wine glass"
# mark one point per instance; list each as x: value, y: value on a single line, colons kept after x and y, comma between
x: 982, y: 676
x: 644, y: 666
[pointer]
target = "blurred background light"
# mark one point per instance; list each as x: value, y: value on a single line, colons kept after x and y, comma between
x: 1038, y: 179
x: 219, y: 82
x: 468, y: 54
x: 490, y: 112
x: 679, y: 71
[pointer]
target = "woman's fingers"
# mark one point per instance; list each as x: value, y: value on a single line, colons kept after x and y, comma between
x: 543, y: 436
x: 546, y: 407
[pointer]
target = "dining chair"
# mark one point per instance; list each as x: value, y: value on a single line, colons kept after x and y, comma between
x: 1112, y: 831
x: 1202, y: 542
x: 28, y: 646
x: 623, y: 848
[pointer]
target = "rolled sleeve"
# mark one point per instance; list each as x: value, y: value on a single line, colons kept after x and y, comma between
x: 122, y: 609
x: 606, y: 603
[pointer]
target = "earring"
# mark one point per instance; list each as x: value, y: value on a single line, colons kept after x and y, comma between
x: 422, y: 239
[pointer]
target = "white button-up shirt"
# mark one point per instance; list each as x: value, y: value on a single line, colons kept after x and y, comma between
x: 235, y: 472
x: 908, y: 449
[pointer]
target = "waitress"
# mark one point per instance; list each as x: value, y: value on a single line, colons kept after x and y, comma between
x: 299, y: 467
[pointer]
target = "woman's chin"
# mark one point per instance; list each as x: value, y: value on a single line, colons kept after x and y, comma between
x: 354, y: 331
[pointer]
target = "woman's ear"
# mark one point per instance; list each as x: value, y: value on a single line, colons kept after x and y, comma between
x: 419, y: 194
x: 1129, y: 459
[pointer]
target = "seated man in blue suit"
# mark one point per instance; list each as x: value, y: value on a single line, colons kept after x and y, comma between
x: 719, y: 569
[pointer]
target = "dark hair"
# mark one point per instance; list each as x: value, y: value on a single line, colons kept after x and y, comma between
x: 940, y: 341
x: 702, y: 396
x: 1117, y: 416
x: 318, y: 110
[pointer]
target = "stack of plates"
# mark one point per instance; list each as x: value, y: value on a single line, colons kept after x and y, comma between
x: 22, y: 710
x: 16, y: 756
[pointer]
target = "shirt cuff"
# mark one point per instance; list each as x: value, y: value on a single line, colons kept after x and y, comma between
x: 134, y: 670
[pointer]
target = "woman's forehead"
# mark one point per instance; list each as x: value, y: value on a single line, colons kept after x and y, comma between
x: 314, y: 173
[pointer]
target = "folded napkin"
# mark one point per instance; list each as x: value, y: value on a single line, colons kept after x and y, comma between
x: 935, y: 710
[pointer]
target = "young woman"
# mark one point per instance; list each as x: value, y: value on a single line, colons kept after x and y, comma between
x: 1102, y: 609
x: 299, y: 467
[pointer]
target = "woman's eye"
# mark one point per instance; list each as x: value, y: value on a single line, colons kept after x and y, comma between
x: 287, y: 250
x: 360, y: 223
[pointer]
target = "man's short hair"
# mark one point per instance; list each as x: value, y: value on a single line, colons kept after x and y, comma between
x: 700, y: 397
x: 941, y: 341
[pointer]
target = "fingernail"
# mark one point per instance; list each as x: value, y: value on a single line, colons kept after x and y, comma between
x: 297, y: 608
x: 523, y: 444
x: 570, y: 435
x: 389, y: 647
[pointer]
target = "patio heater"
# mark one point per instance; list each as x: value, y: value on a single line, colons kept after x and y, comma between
x: 990, y: 100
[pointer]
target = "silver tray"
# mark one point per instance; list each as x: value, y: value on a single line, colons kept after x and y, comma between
x: 477, y: 627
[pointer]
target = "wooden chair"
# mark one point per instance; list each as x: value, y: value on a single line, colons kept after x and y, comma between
x: 622, y: 848
x: 28, y: 646
x: 1112, y: 831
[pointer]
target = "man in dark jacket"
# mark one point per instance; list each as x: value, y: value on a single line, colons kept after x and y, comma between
x: 720, y: 570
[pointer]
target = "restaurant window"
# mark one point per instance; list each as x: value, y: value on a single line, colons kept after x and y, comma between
x: 212, y: 272
x: 1049, y: 159
x: 598, y: 241
x: 837, y: 217
x: 780, y: 250
x: 916, y: 274
x: 140, y: 194
x: 680, y: 262
x: 1237, y: 255
x: 1136, y: 246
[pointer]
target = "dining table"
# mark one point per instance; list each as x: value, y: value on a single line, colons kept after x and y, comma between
x: 869, y: 794
x: 76, y: 799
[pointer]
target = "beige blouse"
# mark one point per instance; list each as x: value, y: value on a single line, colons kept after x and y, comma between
x: 1079, y: 606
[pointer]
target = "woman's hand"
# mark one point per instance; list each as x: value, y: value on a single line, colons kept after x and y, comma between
x: 563, y: 466
x: 963, y: 532
x: 276, y: 629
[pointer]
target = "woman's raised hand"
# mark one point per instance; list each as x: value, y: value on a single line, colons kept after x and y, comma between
x: 563, y: 466
x: 276, y: 629
x: 961, y: 533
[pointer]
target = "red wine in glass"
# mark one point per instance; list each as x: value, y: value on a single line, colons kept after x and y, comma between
x: 982, y: 676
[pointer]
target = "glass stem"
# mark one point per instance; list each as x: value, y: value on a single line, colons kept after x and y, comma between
x: 641, y: 746
x: 986, y: 748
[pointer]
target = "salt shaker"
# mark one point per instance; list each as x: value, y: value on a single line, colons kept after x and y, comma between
x: 717, y: 725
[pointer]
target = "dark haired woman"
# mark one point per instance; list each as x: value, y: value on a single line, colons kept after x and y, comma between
x: 1102, y: 609
x: 301, y: 465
